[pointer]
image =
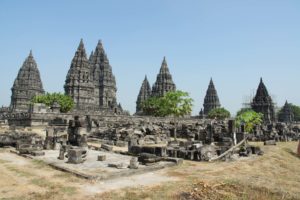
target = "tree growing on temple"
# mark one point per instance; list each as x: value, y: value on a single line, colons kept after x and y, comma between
x: 249, y: 118
x: 174, y: 104
x: 66, y: 103
x: 218, y: 113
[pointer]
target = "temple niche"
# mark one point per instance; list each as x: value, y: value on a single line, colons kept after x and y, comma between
x: 27, y: 85
x: 262, y: 103
x: 164, y: 82
x: 211, y: 100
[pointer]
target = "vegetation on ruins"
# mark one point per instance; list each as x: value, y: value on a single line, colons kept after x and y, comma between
x: 173, y: 103
x: 218, y: 113
x: 66, y: 103
x: 249, y: 118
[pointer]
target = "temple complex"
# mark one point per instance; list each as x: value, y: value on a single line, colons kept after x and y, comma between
x: 164, y: 82
x: 211, y: 100
x: 286, y: 114
x: 144, y: 94
x: 262, y: 102
x: 79, y: 81
x: 27, y: 84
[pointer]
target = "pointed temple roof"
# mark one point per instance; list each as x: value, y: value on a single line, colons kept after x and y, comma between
x: 164, y: 82
x: 211, y: 100
x: 144, y: 94
x: 104, y: 79
x: 286, y: 114
x: 79, y: 81
x: 27, y: 84
x: 262, y: 102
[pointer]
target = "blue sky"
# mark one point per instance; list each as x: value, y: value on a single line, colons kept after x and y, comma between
x: 235, y: 42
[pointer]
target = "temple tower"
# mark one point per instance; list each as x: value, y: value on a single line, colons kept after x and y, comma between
x: 164, y: 82
x: 79, y: 81
x: 144, y: 94
x: 27, y: 85
x: 211, y: 100
x: 104, y: 79
x: 262, y: 102
x: 286, y: 113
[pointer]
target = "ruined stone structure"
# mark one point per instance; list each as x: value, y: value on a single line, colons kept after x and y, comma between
x: 286, y: 114
x: 90, y: 82
x: 262, y: 102
x: 104, y: 80
x: 164, y: 82
x: 79, y: 82
x: 211, y: 100
x: 27, y: 85
x: 144, y: 94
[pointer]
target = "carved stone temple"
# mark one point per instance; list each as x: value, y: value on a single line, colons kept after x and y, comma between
x: 90, y: 82
x: 79, y: 83
x: 262, y: 102
x: 164, y: 82
x: 286, y: 114
x: 26, y: 85
x: 211, y: 100
x: 144, y: 94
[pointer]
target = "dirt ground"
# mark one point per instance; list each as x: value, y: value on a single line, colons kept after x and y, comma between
x: 276, y: 175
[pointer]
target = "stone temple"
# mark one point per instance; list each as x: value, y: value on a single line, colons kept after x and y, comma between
x: 262, y: 102
x: 90, y: 82
x: 286, y: 114
x: 211, y: 100
x: 27, y: 84
x: 164, y: 83
x: 144, y: 94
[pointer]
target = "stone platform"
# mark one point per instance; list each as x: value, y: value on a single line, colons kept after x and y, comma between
x: 100, y: 170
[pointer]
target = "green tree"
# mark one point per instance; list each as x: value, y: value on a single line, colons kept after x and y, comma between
x: 218, y: 113
x: 242, y: 110
x: 174, y: 103
x: 250, y: 119
x: 66, y: 103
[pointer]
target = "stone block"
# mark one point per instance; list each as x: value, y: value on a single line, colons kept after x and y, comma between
x: 101, y: 157
x: 270, y: 142
x: 37, y: 153
x: 76, y: 156
x: 106, y: 147
x: 134, y: 164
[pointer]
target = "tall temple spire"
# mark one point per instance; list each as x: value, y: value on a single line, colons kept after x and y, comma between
x: 164, y: 82
x: 262, y: 102
x: 27, y: 84
x: 144, y: 94
x: 104, y: 79
x: 286, y: 114
x: 211, y: 100
x: 79, y: 82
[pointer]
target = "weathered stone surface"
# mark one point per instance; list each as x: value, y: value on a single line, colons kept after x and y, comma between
x: 286, y: 115
x: 101, y: 157
x: 211, y: 100
x: 27, y: 84
x: 79, y: 81
x: 262, y: 102
x: 104, y: 80
x: 37, y: 153
x: 134, y: 164
x: 76, y: 155
x: 270, y: 142
x: 164, y: 82
x: 144, y: 94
